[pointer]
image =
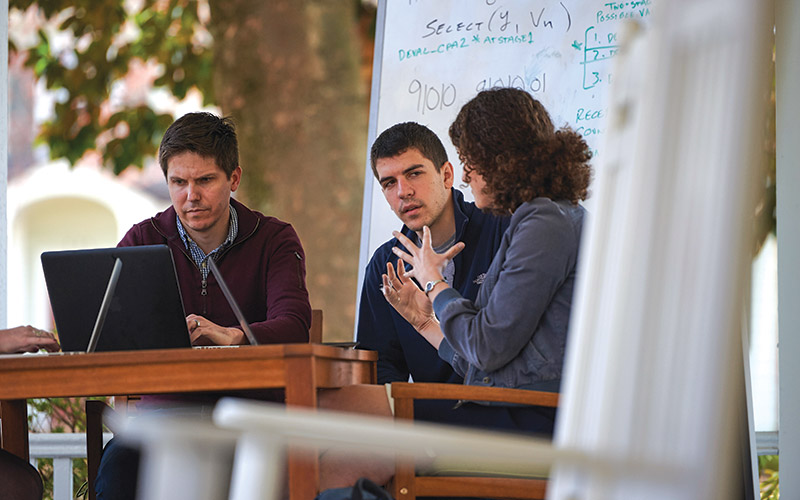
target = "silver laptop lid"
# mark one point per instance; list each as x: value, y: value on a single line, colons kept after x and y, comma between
x: 232, y: 302
x: 101, y: 316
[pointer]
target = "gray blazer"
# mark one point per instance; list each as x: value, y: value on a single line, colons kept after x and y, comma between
x: 515, y: 333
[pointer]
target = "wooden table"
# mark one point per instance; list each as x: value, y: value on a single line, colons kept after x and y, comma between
x: 300, y: 369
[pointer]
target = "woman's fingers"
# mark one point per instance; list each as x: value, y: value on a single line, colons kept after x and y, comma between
x: 390, y: 273
x: 425, y: 263
x: 405, y: 241
x: 401, y: 271
x: 406, y: 257
x: 426, y: 238
x: 395, y: 280
x: 454, y: 250
x: 387, y: 286
x: 402, y: 274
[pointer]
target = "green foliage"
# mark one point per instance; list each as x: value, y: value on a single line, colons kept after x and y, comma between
x: 768, y: 473
x: 765, y: 222
x: 59, y: 415
x: 109, y: 37
x: 79, y: 478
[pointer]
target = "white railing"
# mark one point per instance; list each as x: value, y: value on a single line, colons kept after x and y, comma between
x: 62, y: 448
x: 767, y: 443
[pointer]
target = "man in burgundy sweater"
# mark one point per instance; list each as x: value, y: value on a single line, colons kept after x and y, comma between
x: 260, y: 257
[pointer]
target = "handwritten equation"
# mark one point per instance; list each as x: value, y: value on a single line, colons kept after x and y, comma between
x: 441, y: 96
x: 600, y: 45
x: 498, y: 27
x: 500, y: 20
x: 597, y: 48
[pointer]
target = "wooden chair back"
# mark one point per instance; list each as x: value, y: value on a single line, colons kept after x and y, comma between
x: 315, y: 332
x: 407, y: 485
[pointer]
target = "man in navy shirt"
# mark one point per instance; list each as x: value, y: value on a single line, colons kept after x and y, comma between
x: 410, y: 164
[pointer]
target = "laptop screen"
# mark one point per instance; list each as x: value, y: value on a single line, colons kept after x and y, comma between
x: 146, y: 310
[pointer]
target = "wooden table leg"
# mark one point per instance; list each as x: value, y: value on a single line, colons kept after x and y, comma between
x: 301, y: 390
x: 15, y: 427
x: 94, y: 441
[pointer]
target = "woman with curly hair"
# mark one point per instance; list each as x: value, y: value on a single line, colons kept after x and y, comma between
x: 514, y: 334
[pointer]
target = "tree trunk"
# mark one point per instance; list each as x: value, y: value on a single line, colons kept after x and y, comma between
x: 288, y: 73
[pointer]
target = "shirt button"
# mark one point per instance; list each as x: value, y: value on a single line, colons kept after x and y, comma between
x: 486, y: 380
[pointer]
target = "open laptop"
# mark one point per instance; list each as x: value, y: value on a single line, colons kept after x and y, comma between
x: 140, y: 307
x: 143, y: 311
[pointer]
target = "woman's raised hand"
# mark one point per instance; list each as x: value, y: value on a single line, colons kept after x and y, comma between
x: 405, y: 296
x: 427, y: 264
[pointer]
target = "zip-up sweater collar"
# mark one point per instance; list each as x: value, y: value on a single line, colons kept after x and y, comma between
x: 166, y: 225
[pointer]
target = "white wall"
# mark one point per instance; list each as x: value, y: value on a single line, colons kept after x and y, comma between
x: 55, y: 207
x: 764, y: 337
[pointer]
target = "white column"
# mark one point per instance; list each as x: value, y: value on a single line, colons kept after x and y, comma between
x: 654, y: 359
x: 3, y: 159
x: 787, y: 73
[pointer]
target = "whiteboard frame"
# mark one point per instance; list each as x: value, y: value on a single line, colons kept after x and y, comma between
x: 372, y: 133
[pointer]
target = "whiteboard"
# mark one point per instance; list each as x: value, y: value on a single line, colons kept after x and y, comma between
x: 432, y: 56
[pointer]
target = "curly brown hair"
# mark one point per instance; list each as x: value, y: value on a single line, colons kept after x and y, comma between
x: 507, y: 137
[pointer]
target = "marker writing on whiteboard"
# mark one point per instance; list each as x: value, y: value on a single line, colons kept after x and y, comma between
x: 432, y: 97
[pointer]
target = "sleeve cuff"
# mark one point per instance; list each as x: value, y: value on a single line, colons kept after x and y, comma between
x: 446, y: 352
x: 444, y: 297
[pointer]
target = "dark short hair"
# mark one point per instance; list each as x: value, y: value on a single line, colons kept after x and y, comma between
x: 507, y: 137
x: 399, y: 138
x: 202, y: 133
